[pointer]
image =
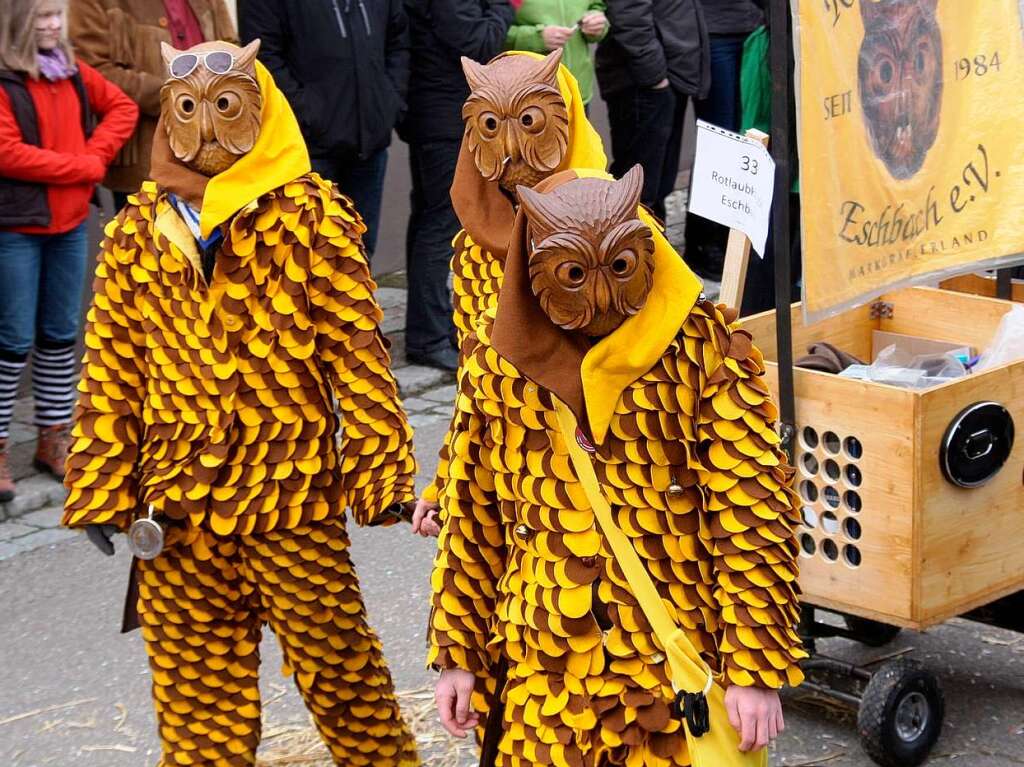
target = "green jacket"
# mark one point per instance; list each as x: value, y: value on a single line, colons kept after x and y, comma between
x: 534, y: 15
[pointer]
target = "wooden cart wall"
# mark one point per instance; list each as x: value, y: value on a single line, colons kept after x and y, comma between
x: 889, y: 538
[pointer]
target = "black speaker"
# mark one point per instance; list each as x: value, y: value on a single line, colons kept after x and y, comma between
x: 976, y: 444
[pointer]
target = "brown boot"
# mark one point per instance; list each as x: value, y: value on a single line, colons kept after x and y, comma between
x: 6, y: 481
x: 52, y: 449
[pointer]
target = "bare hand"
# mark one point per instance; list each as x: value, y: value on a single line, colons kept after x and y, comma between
x: 662, y: 85
x: 424, y: 519
x: 452, y: 696
x: 593, y: 23
x: 556, y: 37
x: 756, y: 714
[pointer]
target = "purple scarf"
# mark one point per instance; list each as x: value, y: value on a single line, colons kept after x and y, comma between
x: 54, y: 65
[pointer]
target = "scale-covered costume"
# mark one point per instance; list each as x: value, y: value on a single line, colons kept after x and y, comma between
x: 492, y: 161
x: 237, y: 383
x: 675, y: 403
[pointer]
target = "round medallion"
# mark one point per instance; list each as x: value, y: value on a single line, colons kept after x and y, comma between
x: 146, y: 538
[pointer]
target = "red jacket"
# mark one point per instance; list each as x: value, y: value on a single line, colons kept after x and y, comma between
x: 66, y: 162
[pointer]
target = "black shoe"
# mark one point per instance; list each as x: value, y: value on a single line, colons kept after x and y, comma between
x: 445, y: 358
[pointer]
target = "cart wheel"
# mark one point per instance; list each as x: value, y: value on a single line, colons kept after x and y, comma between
x: 869, y: 632
x: 901, y: 714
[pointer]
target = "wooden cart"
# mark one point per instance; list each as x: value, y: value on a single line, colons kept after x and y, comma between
x: 985, y: 285
x: 888, y: 540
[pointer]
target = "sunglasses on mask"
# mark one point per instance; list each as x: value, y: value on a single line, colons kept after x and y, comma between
x: 218, y: 62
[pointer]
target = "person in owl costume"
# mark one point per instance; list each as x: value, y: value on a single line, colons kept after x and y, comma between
x: 232, y: 343
x: 525, y: 120
x: 597, y: 311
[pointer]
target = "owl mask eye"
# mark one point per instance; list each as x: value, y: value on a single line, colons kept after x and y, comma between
x: 211, y: 104
x: 517, y: 123
x: 593, y: 262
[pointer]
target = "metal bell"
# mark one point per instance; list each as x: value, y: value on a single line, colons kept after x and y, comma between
x: 523, y: 532
x: 675, y: 488
x: 146, y: 537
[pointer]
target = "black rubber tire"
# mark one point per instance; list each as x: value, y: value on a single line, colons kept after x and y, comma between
x: 869, y: 632
x: 890, y: 686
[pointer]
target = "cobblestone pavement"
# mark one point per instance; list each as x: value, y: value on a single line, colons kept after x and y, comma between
x: 75, y: 692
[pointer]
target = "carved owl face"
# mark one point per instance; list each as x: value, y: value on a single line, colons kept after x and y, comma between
x: 517, y: 123
x: 900, y: 73
x: 591, y: 259
x: 211, y: 104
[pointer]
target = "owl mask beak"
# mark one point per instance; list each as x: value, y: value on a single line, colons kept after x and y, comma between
x: 206, y: 128
x: 509, y: 145
x: 602, y: 294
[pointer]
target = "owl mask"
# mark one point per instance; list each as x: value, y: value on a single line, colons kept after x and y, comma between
x: 211, y: 104
x: 591, y: 262
x: 517, y: 123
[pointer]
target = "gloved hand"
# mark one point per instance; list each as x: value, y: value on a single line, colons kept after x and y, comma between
x: 400, y: 511
x: 102, y: 537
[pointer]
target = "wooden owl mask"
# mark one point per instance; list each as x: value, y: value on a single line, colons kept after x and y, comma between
x: 591, y: 260
x: 900, y: 74
x: 517, y: 123
x: 211, y: 104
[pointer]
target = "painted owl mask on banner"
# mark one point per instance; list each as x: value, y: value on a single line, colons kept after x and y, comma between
x: 591, y: 260
x: 900, y: 73
x: 517, y: 123
x: 211, y: 104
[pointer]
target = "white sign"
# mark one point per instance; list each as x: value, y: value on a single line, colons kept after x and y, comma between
x: 733, y: 182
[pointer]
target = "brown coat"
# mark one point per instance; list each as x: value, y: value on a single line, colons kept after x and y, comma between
x: 121, y: 38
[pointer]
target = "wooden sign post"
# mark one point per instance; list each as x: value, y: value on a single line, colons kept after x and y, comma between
x: 737, y: 253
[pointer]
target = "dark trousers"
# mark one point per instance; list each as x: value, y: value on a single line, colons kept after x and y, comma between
x: 722, y: 108
x: 759, y: 289
x: 363, y: 182
x: 120, y: 200
x: 647, y: 129
x: 432, y: 226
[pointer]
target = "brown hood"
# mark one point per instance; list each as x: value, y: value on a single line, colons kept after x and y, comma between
x: 484, y: 210
x: 589, y: 376
x: 523, y: 334
x: 168, y: 172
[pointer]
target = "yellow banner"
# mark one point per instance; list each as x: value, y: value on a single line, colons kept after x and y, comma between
x: 911, y: 135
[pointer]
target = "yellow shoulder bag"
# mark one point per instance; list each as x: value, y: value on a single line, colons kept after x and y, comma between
x: 711, y: 739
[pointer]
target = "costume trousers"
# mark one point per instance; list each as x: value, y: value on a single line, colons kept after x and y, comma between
x: 202, y: 605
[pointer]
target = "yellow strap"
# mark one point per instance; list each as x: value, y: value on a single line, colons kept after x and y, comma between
x: 689, y: 672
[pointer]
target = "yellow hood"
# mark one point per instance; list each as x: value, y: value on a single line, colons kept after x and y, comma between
x: 278, y: 157
x: 586, y: 149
